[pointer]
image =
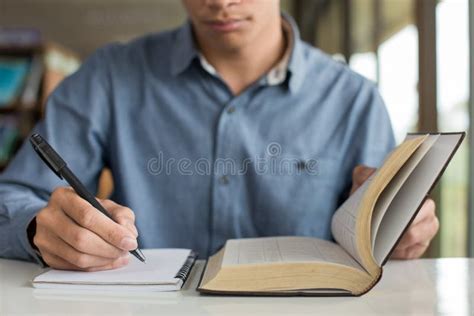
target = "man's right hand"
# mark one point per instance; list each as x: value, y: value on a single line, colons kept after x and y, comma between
x: 72, y: 235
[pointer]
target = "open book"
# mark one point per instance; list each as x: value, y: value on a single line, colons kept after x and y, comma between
x: 366, y: 229
x: 164, y: 270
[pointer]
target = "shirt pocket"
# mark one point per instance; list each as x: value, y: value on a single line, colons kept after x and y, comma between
x: 300, y: 202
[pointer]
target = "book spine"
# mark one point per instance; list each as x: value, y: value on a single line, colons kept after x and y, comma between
x: 372, y: 284
x: 183, y: 273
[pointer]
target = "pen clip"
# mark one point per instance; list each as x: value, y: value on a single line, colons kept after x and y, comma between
x: 47, y: 154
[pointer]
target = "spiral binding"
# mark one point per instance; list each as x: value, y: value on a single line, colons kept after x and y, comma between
x: 186, y: 268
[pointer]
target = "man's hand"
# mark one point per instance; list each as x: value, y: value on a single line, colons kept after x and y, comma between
x: 424, y: 227
x: 72, y: 235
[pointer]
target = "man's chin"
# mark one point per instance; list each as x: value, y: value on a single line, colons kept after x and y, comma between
x: 230, y: 43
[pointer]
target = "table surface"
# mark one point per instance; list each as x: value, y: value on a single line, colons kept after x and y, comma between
x: 415, y: 287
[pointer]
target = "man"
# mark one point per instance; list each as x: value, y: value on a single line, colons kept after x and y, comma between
x: 235, y: 86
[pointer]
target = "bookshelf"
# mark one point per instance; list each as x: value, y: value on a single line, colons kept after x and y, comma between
x: 27, y: 77
x: 55, y: 63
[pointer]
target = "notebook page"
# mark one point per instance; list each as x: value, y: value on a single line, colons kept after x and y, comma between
x: 266, y: 250
x: 161, y: 267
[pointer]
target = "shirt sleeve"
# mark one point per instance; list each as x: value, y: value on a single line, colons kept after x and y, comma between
x: 373, y: 137
x: 371, y: 134
x: 75, y: 124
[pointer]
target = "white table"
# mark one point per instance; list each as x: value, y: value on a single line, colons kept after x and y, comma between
x: 417, y: 287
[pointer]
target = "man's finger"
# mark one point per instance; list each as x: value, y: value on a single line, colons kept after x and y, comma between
x: 88, y: 217
x: 80, y: 238
x: 359, y: 175
x: 53, y: 244
x: 118, y: 263
x: 426, y: 211
x: 118, y: 211
x: 57, y: 263
x: 122, y: 215
x: 362, y: 173
x: 412, y: 252
x: 421, y: 233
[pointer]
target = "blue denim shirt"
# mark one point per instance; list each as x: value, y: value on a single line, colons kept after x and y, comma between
x: 197, y: 164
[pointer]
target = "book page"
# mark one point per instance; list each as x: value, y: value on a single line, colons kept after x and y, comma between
x: 412, y: 194
x: 391, y: 190
x: 267, y: 250
x: 343, y: 225
x: 351, y: 222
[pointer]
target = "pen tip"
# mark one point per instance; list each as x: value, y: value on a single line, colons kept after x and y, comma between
x: 139, y: 255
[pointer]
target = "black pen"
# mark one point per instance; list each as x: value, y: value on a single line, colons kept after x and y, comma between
x: 60, y: 168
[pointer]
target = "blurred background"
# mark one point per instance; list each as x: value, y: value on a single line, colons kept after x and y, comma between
x: 417, y: 51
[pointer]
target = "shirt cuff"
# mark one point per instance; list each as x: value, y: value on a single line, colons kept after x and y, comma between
x: 23, y: 219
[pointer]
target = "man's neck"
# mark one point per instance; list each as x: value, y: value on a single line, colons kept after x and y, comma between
x: 241, y: 67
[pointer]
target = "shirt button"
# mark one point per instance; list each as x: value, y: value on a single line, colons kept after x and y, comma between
x: 224, y: 180
x: 231, y: 109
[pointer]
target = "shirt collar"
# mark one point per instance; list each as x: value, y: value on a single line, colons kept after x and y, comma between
x: 296, y: 65
x: 291, y: 67
x: 184, y: 50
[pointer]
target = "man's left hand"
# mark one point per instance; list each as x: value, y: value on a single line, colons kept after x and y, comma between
x: 424, y: 227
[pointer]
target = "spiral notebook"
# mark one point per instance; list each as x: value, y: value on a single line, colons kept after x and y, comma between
x: 164, y: 270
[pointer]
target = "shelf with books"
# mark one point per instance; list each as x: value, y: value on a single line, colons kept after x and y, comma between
x: 30, y: 70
